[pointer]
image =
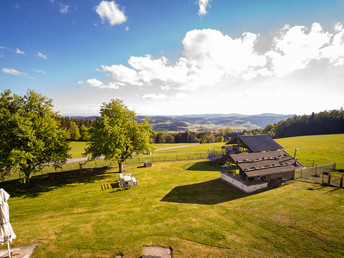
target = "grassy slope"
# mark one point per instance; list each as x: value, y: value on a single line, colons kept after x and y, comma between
x: 323, y: 149
x: 180, y: 204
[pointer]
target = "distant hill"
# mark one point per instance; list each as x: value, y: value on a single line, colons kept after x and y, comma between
x: 212, y: 122
x: 208, y: 122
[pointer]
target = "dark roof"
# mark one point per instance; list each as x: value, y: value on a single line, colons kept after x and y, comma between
x: 265, y: 163
x: 256, y: 143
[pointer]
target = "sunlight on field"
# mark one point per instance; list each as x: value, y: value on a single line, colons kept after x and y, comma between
x: 322, y: 149
x: 182, y: 205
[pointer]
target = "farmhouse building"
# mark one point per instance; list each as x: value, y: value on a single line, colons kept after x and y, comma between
x: 261, y: 162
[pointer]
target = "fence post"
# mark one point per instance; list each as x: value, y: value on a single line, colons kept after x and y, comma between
x: 316, y: 170
x: 329, y: 178
x: 322, y: 179
x: 334, y: 166
x: 301, y: 173
x: 341, y: 181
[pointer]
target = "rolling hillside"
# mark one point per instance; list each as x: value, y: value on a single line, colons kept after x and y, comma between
x: 212, y: 122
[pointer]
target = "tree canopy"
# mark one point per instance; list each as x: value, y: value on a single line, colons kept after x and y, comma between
x: 116, y: 135
x: 30, y: 135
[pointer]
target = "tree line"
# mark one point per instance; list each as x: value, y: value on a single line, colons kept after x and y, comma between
x: 220, y: 135
x: 325, y: 122
x: 77, y: 129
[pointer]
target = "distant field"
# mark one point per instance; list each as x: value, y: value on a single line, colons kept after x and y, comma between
x: 182, y: 205
x: 323, y: 149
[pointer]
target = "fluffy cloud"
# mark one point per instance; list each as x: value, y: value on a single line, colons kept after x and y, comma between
x: 109, y: 11
x: 296, y: 47
x: 18, y: 51
x: 203, y: 7
x: 154, y: 96
x: 99, y: 84
x: 211, y: 58
x: 39, y: 54
x: 64, y: 8
x: 15, y: 72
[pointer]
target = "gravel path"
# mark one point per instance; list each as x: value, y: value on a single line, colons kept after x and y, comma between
x: 176, y: 147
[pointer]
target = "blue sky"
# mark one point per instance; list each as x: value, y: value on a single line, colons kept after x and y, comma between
x: 170, y: 57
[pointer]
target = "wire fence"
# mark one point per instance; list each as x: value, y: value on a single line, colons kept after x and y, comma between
x: 324, y: 174
x: 102, y: 163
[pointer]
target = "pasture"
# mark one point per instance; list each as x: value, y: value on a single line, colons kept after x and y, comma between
x: 182, y: 205
x: 322, y: 149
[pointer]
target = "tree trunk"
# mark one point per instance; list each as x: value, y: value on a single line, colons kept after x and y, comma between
x: 28, y: 181
x: 120, y: 167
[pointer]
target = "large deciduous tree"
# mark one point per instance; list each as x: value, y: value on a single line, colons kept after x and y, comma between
x: 116, y: 135
x: 30, y: 135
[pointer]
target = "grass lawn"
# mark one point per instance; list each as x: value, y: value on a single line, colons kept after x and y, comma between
x: 323, y: 149
x: 182, y: 205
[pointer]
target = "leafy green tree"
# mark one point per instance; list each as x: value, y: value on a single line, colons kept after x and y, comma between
x: 116, y: 135
x: 84, y: 133
x: 74, y: 131
x: 30, y: 134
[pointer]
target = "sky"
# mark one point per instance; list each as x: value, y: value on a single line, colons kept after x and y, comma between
x: 176, y: 57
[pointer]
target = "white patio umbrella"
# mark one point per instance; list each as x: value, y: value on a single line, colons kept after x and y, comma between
x: 6, y: 231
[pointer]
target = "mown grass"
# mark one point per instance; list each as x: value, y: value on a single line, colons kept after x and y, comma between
x: 322, y: 149
x: 182, y: 205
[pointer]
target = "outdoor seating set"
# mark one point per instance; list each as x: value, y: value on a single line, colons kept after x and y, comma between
x: 126, y: 180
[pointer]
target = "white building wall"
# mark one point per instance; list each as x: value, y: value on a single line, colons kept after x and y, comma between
x: 240, y: 185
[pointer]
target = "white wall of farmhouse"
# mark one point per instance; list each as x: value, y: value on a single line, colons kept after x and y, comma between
x: 247, y: 188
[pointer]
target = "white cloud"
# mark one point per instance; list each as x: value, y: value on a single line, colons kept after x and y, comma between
x: 127, y: 28
x: 109, y: 11
x: 64, y: 8
x: 211, y: 58
x: 99, y: 84
x: 39, y: 54
x: 80, y: 82
x: 154, y: 96
x: 18, y: 51
x: 15, y: 72
x: 296, y: 47
x: 203, y: 4
x: 40, y: 71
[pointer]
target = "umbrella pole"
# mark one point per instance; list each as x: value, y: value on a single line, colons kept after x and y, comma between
x: 9, y: 250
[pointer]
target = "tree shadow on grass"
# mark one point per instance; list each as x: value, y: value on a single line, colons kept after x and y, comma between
x: 209, y: 192
x: 204, y: 166
x: 46, y: 183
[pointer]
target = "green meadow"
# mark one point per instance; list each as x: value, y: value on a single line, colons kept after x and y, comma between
x: 182, y: 205
x: 322, y: 149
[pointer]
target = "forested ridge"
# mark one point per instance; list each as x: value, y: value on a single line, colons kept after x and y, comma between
x: 325, y: 122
